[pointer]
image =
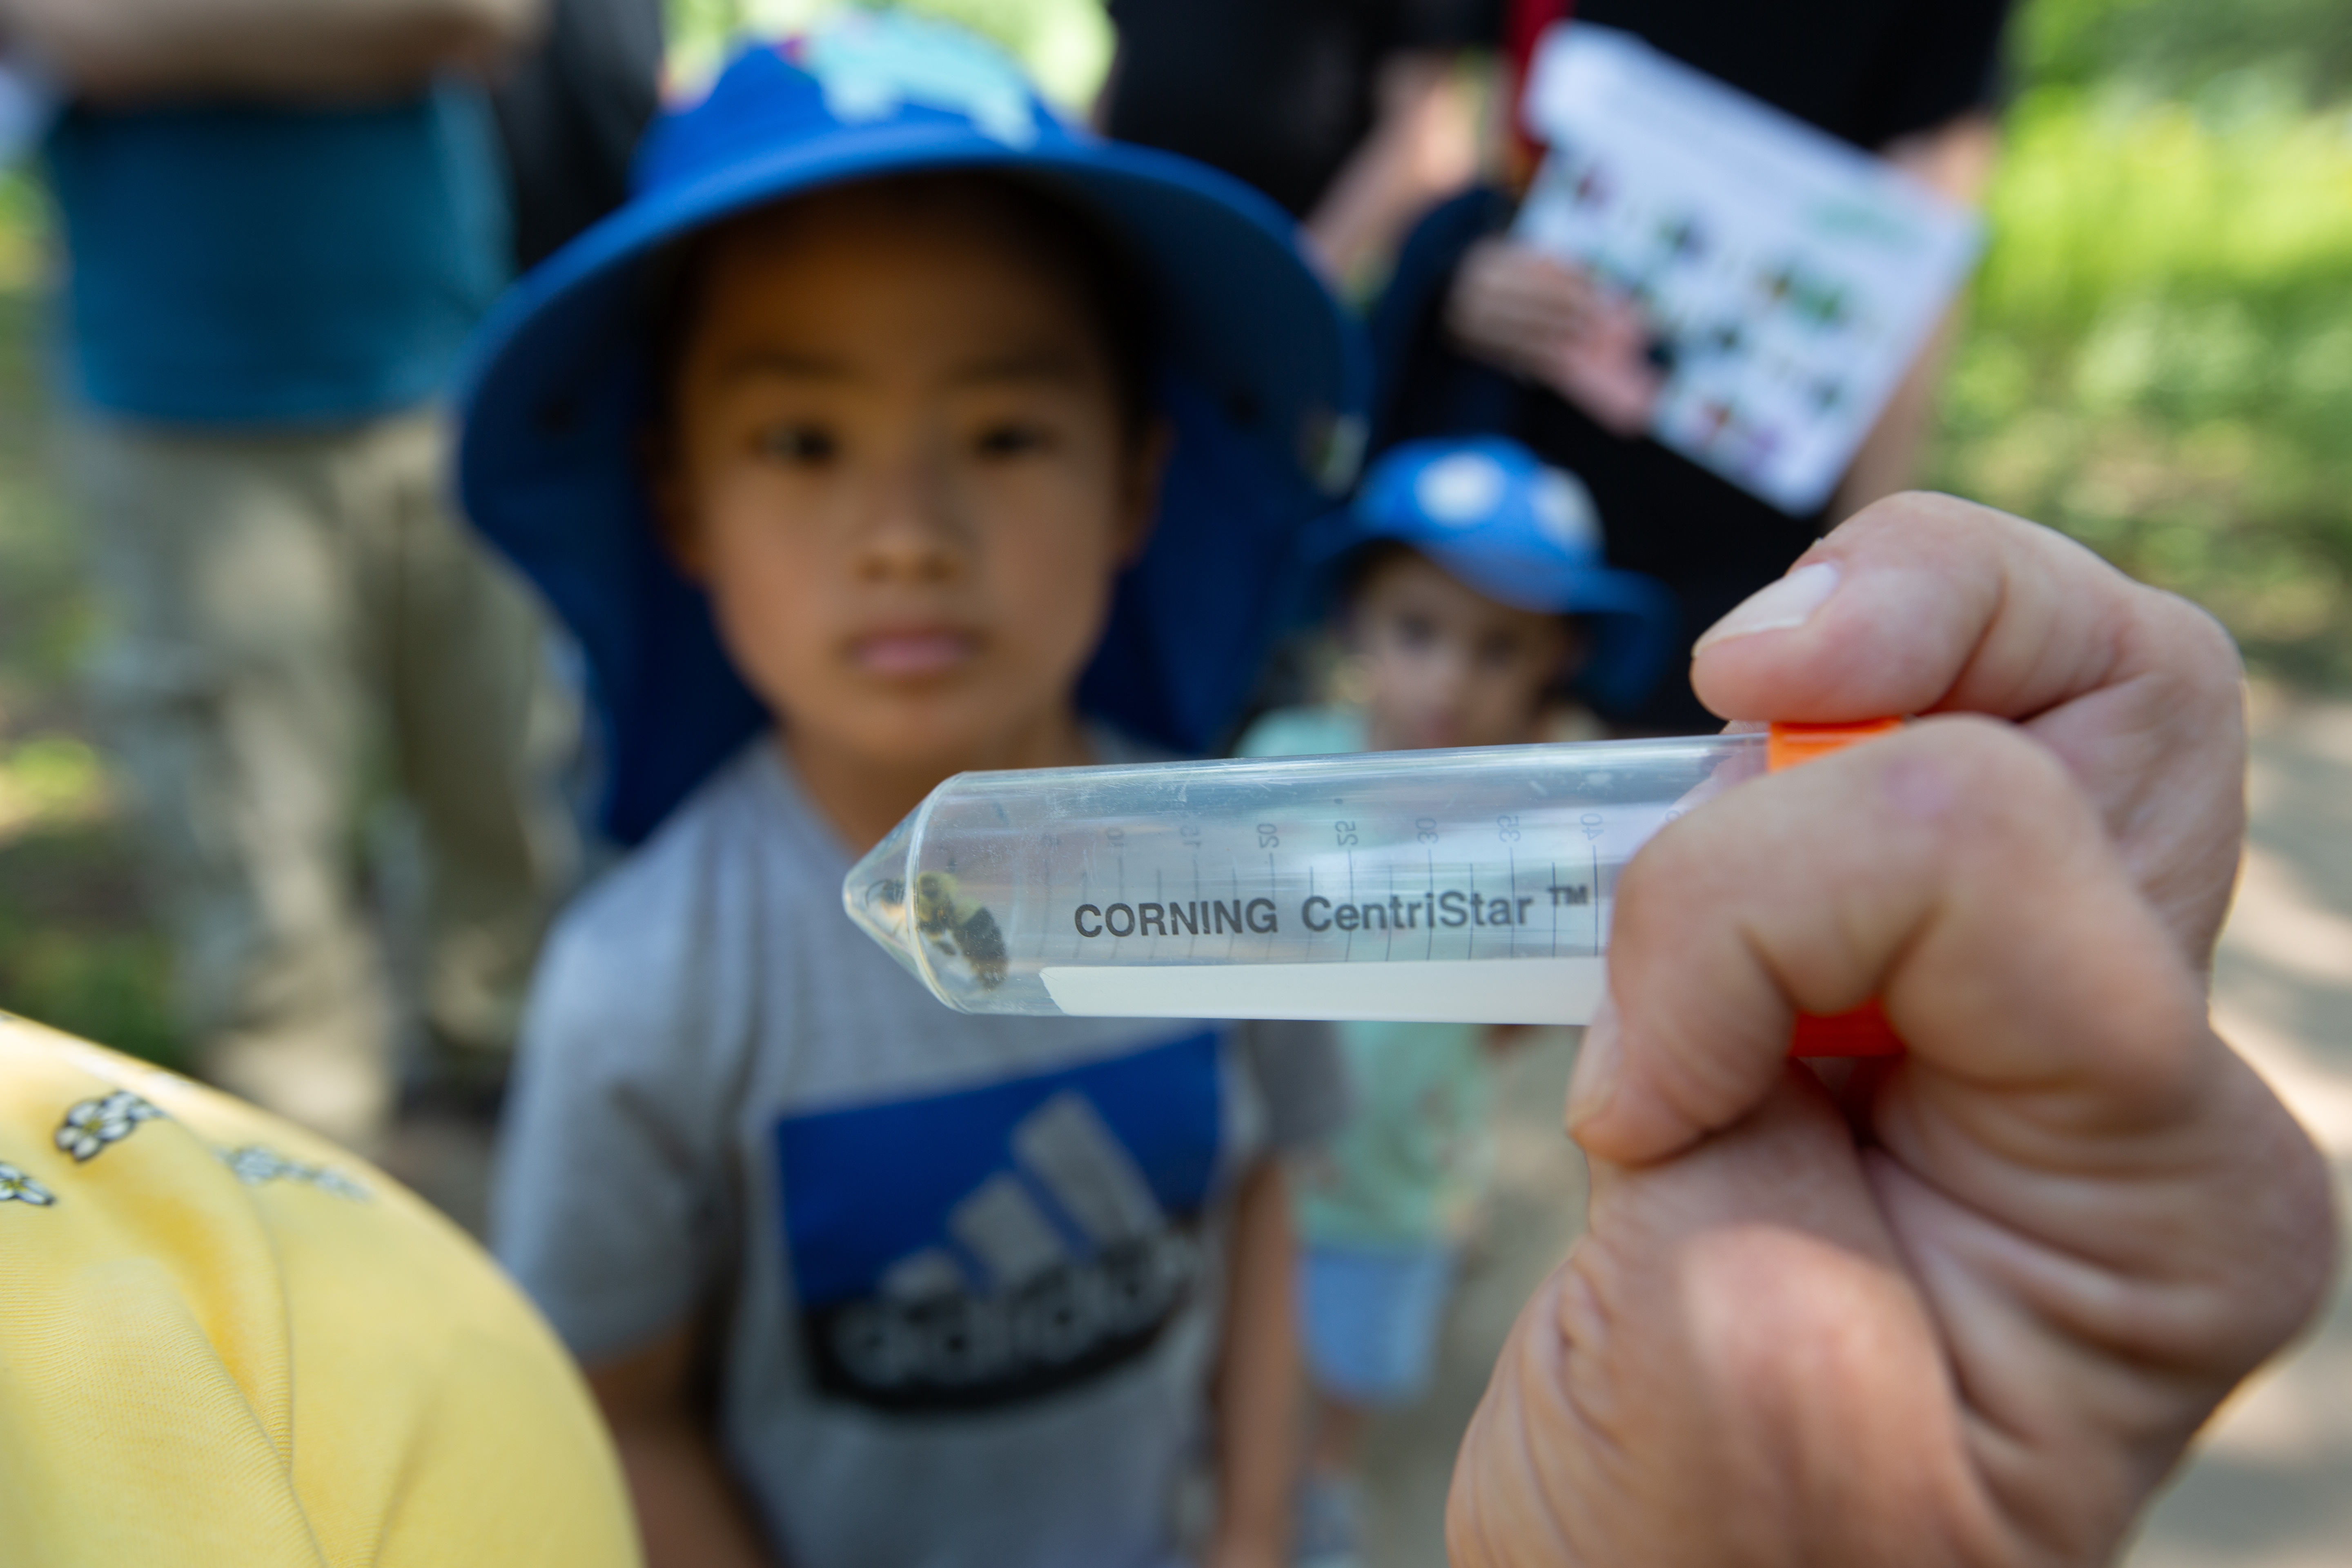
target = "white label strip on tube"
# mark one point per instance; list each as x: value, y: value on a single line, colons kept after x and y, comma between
x: 1433, y: 991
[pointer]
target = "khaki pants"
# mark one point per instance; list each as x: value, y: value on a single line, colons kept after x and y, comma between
x: 289, y: 616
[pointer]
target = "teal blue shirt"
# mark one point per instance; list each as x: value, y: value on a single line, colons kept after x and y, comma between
x: 254, y: 266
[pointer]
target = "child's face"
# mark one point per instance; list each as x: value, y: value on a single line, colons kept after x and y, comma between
x: 900, y: 467
x: 1446, y: 666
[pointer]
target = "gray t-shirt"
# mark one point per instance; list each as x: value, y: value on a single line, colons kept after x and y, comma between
x: 966, y: 1273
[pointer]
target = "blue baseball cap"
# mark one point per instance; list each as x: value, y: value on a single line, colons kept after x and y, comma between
x: 1498, y: 518
x: 1261, y: 373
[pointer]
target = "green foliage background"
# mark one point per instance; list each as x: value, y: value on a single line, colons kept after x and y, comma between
x: 2158, y: 358
x: 1066, y: 44
x: 77, y: 948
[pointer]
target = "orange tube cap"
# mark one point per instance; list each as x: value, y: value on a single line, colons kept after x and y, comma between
x: 1861, y: 1031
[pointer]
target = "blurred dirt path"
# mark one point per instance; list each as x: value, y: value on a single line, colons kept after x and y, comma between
x: 2271, y: 1484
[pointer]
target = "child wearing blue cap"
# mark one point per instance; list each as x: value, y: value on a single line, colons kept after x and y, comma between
x: 894, y: 428
x: 1469, y: 590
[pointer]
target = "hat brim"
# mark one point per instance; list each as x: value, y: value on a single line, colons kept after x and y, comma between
x: 1261, y: 371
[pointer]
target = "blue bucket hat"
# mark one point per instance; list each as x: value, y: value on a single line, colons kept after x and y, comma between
x: 1494, y: 515
x: 1262, y: 375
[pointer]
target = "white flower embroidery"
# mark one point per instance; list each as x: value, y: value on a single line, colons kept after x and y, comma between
x: 16, y: 1187
x: 327, y: 1179
x: 92, y: 1124
x: 254, y: 1165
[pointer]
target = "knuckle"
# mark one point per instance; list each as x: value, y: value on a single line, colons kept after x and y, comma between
x: 1999, y: 780
x: 1932, y: 515
x: 1683, y: 862
x: 1981, y: 797
x: 2195, y: 651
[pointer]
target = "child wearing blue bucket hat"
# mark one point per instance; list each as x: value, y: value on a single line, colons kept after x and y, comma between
x: 895, y: 428
x: 1467, y: 585
x: 1467, y: 579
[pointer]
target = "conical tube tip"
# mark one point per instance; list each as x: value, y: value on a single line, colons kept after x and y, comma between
x: 875, y: 894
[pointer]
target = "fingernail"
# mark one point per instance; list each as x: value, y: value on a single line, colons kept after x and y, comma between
x: 1776, y: 608
x: 1595, y: 1083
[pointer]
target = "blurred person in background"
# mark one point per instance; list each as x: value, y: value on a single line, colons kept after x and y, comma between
x: 280, y: 221
x: 570, y: 113
x: 1473, y: 319
x: 1355, y: 117
x: 1470, y: 593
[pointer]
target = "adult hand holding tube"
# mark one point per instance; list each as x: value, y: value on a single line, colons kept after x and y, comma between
x: 1970, y: 1307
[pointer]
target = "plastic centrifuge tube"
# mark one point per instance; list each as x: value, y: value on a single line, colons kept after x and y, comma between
x: 1458, y: 886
